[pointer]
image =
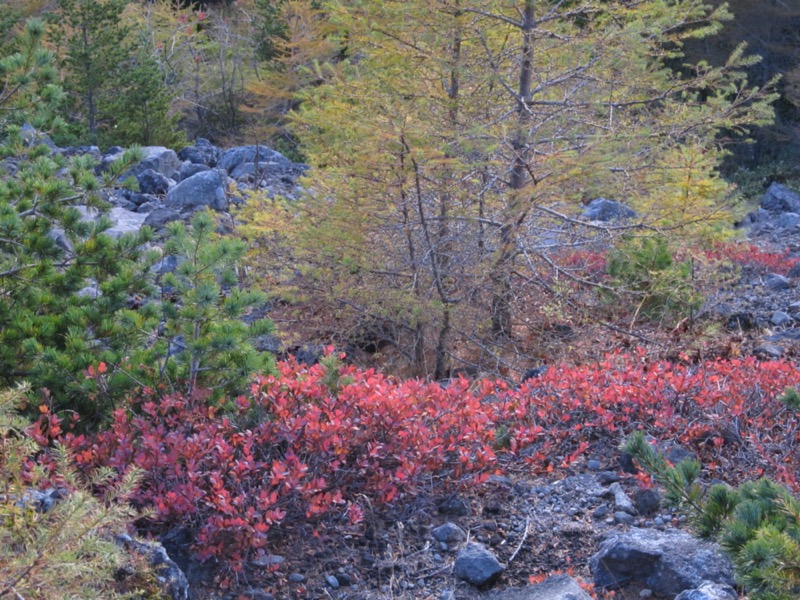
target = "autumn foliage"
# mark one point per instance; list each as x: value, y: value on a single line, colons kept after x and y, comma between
x: 324, y: 444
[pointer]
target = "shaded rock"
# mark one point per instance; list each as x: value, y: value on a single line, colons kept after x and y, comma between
x: 794, y: 272
x: 780, y: 318
x: 146, y: 208
x: 623, y: 518
x: 779, y: 198
x: 159, y: 159
x: 201, y: 189
x: 34, y: 137
x: 189, y: 169
x: 332, y: 582
x: 268, y: 343
x: 668, y: 562
x: 167, y: 264
x: 310, y: 355
x: 168, y: 572
x: 676, y: 453
x: 533, y: 373
x: 709, y: 591
x: 627, y: 464
x: 138, y: 199
x: 741, y: 321
x: 774, y: 281
x: 787, y: 220
x: 232, y: 158
x: 603, y: 209
x: 41, y: 501
x: 768, y: 351
x: 557, y: 587
x: 449, y: 533
x: 178, y: 544
x: 455, y: 506
x: 159, y: 217
x: 296, y: 577
x: 607, y: 477
x: 202, y: 152
x: 151, y: 182
x: 248, y: 168
x: 59, y: 236
x: 477, y: 565
x: 647, y: 501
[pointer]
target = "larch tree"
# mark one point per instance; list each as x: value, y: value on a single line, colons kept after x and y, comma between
x: 452, y: 150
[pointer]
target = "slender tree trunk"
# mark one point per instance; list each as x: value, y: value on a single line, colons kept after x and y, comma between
x: 518, y: 205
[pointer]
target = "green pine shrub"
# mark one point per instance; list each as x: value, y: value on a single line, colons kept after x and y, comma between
x: 66, y: 550
x: 80, y: 319
x: 646, y: 268
x: 206, y: 319
x: 757, y: 524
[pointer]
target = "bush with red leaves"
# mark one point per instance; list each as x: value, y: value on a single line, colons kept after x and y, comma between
x: 300, y: 447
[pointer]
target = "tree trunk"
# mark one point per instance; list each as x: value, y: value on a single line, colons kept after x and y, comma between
x: 518, y: 207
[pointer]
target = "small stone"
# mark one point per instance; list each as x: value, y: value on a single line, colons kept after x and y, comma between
x: 477, y: 565
x: 623, y: 518
x: 774, y: 281
x: 607, y: 477
x: 455, y: 506
x: 438, y: 557
x: 780, y: 318
x: 268, y: 560
x: 332, y: 582
x: 593, y: 465
x: 646, y: 500
x: 443, y: 546
x: 621, y: 500
x: 645, y: 593
x: 343, y: 579
x: 601, y: 512
x: 297, y: 577
x: 449, y: 533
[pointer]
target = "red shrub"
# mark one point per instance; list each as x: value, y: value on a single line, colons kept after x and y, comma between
x: 749, y: 254
x: 296, y: 450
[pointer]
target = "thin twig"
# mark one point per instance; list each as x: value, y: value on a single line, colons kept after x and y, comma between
x: 522, y: 541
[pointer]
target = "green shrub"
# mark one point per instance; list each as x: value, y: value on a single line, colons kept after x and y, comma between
x: 646, y: 268
x: 67, y: 550
x: 757, y: 524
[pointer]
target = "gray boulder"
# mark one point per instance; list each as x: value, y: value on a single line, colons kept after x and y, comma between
x: 232, y: 158
x: 123, y: 221
x: 779, y: 198
x: 159, y: 217
x: 557, y: 587
x: 188, y: 169
x: 159, y: 159
x: 202, y: 152
x: 709, y: 591
x: 603, y: 209
x: 201, y: 189
x: 34, y: 137
x: 249, y: 169
x: 668, y: 562
x: 151, y: 182
x: 477, y: 565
